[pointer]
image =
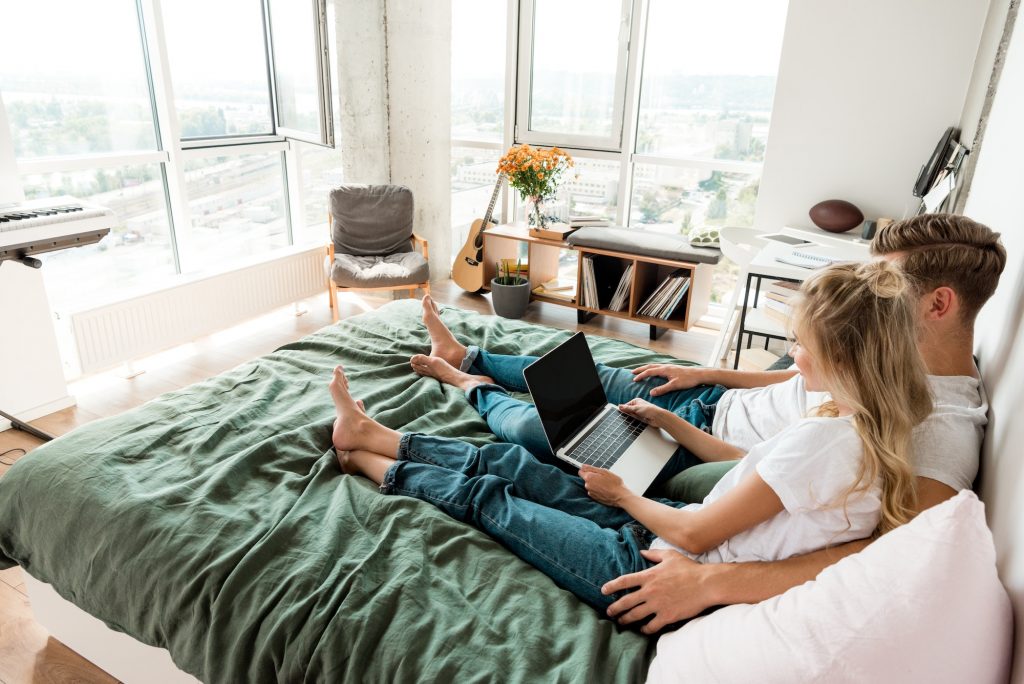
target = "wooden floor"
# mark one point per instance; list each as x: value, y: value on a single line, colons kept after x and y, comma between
x: 27, y: 653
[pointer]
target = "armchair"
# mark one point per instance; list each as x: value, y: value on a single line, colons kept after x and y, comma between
x: 372, y: 245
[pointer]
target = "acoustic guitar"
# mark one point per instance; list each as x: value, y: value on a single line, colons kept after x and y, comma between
x: 468, y: 269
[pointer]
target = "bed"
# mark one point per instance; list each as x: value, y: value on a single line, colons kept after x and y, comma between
x: 213, y: 522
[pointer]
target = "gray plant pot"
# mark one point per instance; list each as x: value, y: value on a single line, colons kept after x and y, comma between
x: 510, y: 301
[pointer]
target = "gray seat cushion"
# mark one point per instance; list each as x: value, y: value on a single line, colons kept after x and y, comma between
x: 643, y: 243
x: 371, y: 220
x: 400, y: 268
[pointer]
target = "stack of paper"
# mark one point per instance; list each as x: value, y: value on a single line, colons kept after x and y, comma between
x: 666, y: 297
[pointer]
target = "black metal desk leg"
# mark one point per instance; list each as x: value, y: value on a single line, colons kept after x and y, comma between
x: 743, y: 320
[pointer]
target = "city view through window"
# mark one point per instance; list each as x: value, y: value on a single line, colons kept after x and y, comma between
x: 706, y: 88
x: 88, y: 128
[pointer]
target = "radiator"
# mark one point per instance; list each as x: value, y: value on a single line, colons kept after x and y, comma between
x: 116, y: 333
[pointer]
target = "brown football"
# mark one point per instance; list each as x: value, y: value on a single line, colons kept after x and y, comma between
x: 836, y: 216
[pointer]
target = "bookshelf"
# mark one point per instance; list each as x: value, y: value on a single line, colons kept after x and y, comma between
x: 546, y: 257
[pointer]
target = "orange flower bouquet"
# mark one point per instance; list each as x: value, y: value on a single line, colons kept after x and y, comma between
x: 535, y: 173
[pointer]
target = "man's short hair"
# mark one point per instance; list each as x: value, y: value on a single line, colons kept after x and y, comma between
x: 946, y: 250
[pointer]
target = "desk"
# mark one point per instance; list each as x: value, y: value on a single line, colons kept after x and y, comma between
x: 753, y: 321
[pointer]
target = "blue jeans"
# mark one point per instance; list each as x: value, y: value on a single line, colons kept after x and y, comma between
x: 541, y: 514
x: 515, y: 421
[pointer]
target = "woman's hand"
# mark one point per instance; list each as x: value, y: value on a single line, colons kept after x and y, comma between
x: 646, y: 412
x: 604, y: 486
x: 678, y: 377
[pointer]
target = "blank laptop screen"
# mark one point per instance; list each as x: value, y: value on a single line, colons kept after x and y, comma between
x: 566, y: 389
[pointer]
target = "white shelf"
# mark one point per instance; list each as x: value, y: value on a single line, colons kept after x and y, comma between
x: 759, y: 322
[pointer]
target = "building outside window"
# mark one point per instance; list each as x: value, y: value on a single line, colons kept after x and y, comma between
x: 225, y: 181
x: 664, y: 104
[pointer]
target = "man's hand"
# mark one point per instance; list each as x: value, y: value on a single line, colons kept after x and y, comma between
x: 675, y: 589
x: 679, y: 377
x: 604, y: 486
x: 647, y: 412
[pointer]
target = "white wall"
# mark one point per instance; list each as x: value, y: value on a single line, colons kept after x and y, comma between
x: 394, y: 64
x: 994, y: 200
x: 865, y: 89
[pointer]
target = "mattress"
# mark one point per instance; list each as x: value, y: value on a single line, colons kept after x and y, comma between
x: 214, y: 522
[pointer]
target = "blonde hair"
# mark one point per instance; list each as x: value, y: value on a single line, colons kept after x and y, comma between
x: 946, y: 250
x: 858, y: 323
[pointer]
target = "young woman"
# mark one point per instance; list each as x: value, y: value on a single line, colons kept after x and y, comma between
x: 837, y: 476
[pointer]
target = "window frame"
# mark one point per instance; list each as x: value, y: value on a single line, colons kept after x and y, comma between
x: 323, y: 66
x: 526, y: 30
x: 171, y: 152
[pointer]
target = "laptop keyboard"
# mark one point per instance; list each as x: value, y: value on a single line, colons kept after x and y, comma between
x: 607, y: 440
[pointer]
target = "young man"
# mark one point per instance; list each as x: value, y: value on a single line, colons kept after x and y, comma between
x: 955, y: 264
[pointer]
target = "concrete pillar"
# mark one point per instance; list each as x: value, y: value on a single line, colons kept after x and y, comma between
x: 361, y: 44
x: 394, y: 63
x: 419, y: 105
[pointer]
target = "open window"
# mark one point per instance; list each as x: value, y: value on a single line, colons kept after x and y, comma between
x: 301, y: 73
x: 572, y: 72
x: 252, y: 70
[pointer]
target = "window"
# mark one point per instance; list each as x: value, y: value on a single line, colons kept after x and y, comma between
x: 572, y: 71
x: 237, y: 205
x: 321, y: 172
x: 72, y: 92
x: 218, y: 67
x: 302, y: 83
x: 664, y: 104
x: 83, y: 97
x: 699, y: 100
x: 478, y: 70
x: 478, y: 110
x: 138, y: 251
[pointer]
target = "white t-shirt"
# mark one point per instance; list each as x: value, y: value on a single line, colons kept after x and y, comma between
x: 946, y: 445
x: 810, y: 466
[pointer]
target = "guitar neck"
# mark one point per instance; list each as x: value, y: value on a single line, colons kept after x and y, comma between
x: 494, y: 199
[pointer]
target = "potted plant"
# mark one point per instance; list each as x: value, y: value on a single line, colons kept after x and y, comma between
x: 535, y: 173
x: 510, y: 291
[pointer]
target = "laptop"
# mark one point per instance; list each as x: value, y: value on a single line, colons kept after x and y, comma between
x: 583, y: 428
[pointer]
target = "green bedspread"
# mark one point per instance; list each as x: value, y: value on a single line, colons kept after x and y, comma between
x: 213, y: 521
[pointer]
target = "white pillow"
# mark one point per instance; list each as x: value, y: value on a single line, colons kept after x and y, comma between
x: 921, y: 604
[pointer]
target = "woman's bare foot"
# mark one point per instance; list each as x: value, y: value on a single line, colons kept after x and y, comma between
x: 438, y: 368
x: 351, y: 418
x: 442, y: 343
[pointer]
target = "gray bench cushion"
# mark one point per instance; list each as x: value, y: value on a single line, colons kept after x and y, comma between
x: 643, y: 243
x: 401, y: 268
x: 371, y: 220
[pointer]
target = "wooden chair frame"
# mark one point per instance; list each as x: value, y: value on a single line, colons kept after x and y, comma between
x: 333, y: 288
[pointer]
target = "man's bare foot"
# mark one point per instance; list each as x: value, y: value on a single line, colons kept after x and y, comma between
x: 438, y: 368
x: 351, y: 418
x: 442, y: 343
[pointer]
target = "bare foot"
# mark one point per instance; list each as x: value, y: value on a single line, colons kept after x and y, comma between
x: 351, y: 420
x: 438, y: 368
x: 442, y: 343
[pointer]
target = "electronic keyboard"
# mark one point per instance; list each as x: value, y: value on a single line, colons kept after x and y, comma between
x: 46, y: 225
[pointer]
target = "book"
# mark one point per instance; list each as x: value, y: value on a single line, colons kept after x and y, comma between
x: 782, y: 288
x: 666, y: 297
x: 621, y: 297
x: 556, y: 284
x: 555, y: 231
x: 510, y: 265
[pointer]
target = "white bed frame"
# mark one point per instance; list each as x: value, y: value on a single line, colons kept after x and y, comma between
x: 118, y: 654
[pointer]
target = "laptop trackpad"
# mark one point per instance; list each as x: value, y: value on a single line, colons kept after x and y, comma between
x: 644, y: 459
